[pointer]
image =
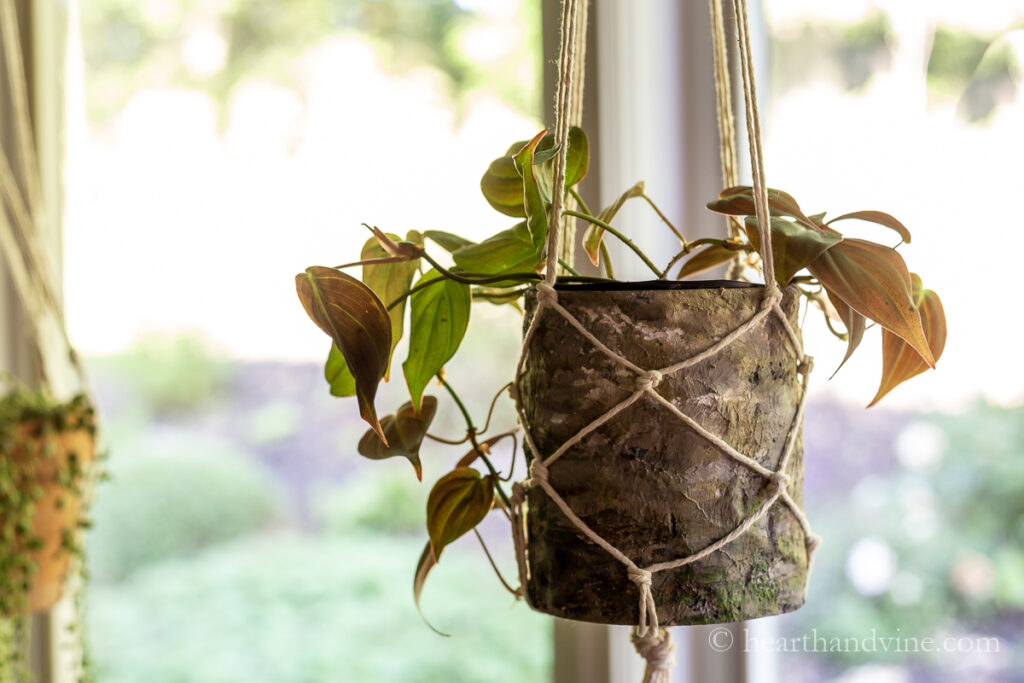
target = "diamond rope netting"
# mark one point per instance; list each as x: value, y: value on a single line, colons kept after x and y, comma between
x: 650, y: 640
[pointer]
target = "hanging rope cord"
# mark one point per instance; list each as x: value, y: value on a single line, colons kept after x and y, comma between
x: 652, y: 642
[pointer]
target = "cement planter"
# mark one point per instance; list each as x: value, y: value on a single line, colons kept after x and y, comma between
x: 645, y: 481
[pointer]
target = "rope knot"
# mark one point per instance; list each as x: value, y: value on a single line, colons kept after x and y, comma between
x: 546, y: 294
x: 813, y: 541
x: 658, y: 650
x: 780, y: 480
x: 539, y: 471
x: 806, y: 365
x: 640, y: 576
x: 518, y: 495
x: 772, y: 296
x: 649, y: 380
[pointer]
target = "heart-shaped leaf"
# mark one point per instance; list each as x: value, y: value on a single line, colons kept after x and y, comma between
x: 594, y: 234
x: 440, y: 315
x: 875, y: 282
x: 359, y: 324
x: 458, y: 502
x: 337, y: 374
x: 509, y: 251
x: 739, y: 201
x: 533, y: 202
x: 794, y: 246
x: 502, y: 184
x: 877, y: 217
x: 447, y: 240
x: 705, y: 259
x: 855, y: 325
x: 900, y: 361
x: 389, y: 281
x: 502, y: 187
x: 404, y: 431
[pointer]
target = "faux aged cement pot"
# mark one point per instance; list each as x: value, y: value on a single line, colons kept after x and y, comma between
x: 645, y: 481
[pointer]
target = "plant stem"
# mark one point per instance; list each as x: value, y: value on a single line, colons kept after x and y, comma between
x: 471, y: 432
x: 570, y: 269
x: 579, y: 200
x: 665, y: 219
x: 609, y: 271
x: 625, y: 240
x: 493, y: 565
x: 690, y: 246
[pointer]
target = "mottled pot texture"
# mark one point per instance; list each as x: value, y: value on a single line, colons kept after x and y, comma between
x: 645, y: 481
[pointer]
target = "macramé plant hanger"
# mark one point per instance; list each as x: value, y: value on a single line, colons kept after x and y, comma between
x: 661, y: 420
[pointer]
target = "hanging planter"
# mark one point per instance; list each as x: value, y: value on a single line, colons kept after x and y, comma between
x: 46, y: 449
x: 644, y: 480
x: 661, y: 420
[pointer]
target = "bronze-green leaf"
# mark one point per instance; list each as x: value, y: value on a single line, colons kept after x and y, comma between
x: 878, y: 217
x: 404, y: 431
x: 855, y: 325
x: 706, y: 259
x: 359, y: 324
x: 874, y: 280
x: 739, y: 201
x: 794, y: 246
x: 423, y: 567
x: 389, y: 281
x: 594, y: 234
x: 458, y: 502
x: 337, y: 374
x: 900, y: 361
x: 440, y: 315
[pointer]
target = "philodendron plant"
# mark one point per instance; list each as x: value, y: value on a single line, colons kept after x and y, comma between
x: 850, y: 280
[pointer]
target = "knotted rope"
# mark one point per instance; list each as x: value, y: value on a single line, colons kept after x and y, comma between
x: 651, y: 641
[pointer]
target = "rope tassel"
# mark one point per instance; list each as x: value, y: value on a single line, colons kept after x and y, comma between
x: 658, y: 650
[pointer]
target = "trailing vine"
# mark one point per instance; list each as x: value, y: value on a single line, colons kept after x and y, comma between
x: 31, y: 459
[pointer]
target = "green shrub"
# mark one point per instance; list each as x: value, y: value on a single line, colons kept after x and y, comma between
x: 305, y: 609
x: 160, y: 506
x: 377, y: 499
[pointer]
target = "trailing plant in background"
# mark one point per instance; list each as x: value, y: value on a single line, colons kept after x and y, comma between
x: 851, y: 281
x: 45, y: 449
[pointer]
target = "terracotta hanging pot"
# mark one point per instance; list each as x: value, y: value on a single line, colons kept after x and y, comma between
x: 647, y: 482
x: 49, y: 455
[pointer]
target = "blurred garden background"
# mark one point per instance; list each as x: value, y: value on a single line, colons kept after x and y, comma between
x: 218, y: 147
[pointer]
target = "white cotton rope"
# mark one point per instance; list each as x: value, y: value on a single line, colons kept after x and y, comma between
x: 651, y: 641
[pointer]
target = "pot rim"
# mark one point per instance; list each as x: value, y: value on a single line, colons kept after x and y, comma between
x: 653, y: 285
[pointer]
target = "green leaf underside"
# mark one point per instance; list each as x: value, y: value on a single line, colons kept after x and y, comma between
x: 536, y: 210
x: 440, y: 315
x: 794, y: 246
x: 875, y: 282
x: 447, y: 241
x: 458, y: 502
x: 337, y: 374
x: 509, y: 251
x: 855, y: 325
x: 358, y: 323
x: 594, y: 234
x: 880, y: 218
x: 389, y: 281
x: 404, y: 431
x: 705, y: 259
x: 900, y: 362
